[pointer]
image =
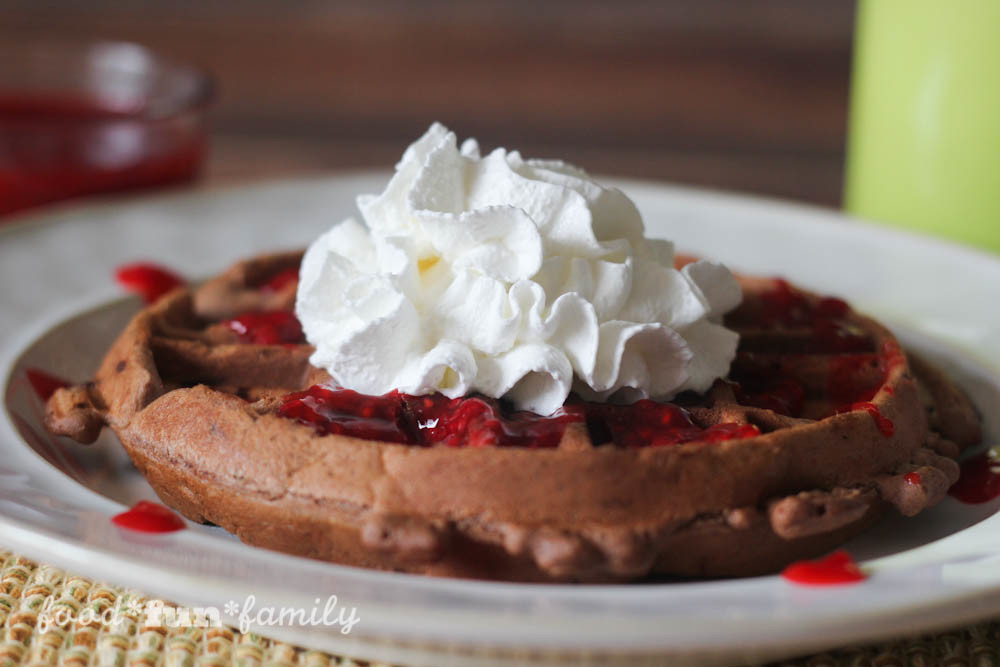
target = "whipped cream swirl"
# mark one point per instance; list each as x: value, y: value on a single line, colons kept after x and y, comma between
x: 513, y: 278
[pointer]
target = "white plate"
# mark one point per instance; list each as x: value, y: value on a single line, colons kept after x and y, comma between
x: 60, y: 309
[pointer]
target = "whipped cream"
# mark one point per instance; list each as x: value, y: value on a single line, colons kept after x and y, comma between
x: 513, y: 278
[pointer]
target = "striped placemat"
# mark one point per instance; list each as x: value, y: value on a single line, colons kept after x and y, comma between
x: 51, y: 617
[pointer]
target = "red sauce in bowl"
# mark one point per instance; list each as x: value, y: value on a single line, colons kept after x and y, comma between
x: 56, y: 146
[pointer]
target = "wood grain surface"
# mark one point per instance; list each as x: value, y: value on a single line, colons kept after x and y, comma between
x: 740, y: 95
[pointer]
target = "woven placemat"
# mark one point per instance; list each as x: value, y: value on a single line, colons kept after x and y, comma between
x: 38, y: 605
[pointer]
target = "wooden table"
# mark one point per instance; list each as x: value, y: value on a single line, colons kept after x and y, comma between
x: 746, y: 96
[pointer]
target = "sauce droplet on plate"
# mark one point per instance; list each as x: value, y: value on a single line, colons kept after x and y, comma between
x: 979, y: 481
x: 834, y: 570
x: 149, y: 517
x: 44, y: 384
x: 149, y: 281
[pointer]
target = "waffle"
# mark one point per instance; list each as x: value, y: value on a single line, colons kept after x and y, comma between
x: 823, y: 424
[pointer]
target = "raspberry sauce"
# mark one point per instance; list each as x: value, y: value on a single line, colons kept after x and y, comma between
x: 854, y: 378
x: 44, y: 384
x: 149, y: 517
x: 278, y: 327
x: 784, y: 395
x: 836, y: 569
x: 883, y: 423
x: 783, y: 306
x: 728, y: 431
x: 979, y: 481
x: 280, y: 279
x: 63, y: 146
x: 347, y: 412
x: 857, y: 371
x: 651, y: 424
x: 478, y: 421
x: 149, y: 281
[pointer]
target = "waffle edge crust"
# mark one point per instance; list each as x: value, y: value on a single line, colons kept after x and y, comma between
x: 196, y: 411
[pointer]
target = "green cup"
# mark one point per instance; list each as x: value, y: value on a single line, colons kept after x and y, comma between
x: 924, y: 141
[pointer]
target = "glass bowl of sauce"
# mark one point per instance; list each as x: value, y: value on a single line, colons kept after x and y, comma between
x: 85, y: 119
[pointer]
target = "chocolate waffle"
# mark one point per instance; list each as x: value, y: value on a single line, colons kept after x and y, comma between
x: 822, y: 425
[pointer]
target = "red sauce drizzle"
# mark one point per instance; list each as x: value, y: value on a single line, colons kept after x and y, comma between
x: 347, y: 412
x: 44, y: 383
x: 884, y: 424
x: 856, y: 371
x: 648, y: 423
x: 728, y: 431
x: 836, y: 336
x: 278, y: 327
x: 281, y: 279
x: 854, y: 378
x: 784, y: 395
x: 979, y: 481
x: 149, y: 281
x: 479, y: 421
x: 785, y: 306
x: 913, y: 478
x: 836, y: 569
x: 893, y: 354
x: 149, y: 517
x: 832, y: 308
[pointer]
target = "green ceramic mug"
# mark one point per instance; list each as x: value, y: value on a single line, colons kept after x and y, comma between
x: 924, y: 140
